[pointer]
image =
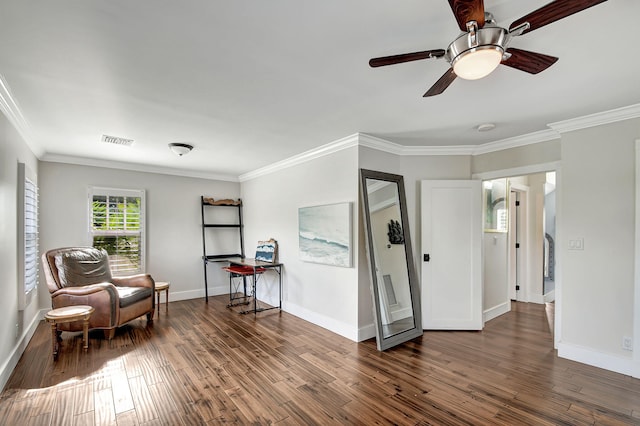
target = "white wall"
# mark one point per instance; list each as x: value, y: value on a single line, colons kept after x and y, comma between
x: 174, y: 232
x: 597, y: 203
x: 16, y: 327
x: 495, y: 275
x: 322, y: 294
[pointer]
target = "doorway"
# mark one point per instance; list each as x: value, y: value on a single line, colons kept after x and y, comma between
x: 519, y: 264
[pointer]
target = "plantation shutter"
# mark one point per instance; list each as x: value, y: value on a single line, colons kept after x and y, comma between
x: 27, y: 236
x: 117, y: 225
x: 30, y: 236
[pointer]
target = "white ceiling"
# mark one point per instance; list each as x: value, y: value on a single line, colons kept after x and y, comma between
x: 250, y: 83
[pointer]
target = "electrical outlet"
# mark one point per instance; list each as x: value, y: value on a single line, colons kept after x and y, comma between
x: 627, y: 343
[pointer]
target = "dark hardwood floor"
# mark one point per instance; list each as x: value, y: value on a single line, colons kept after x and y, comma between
x: 205, y: 364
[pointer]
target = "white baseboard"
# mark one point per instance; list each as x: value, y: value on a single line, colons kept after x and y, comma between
x: 323, y: 321
x: 550, y: 297
x: 195, y: 294
x: 21, y: 345
x: 496, y: 311
x: 401, y: 314
x: 366, y: 332
x: 597, y: 359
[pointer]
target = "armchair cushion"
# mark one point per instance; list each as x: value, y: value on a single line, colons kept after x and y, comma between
x: 131, y: 295
x: 83, y: 267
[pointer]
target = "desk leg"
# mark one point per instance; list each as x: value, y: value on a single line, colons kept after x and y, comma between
x: 280, y: 284
x: 255, y: 296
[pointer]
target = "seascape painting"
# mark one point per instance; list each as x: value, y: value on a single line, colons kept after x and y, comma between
x: 267, y: 251
x: 324, y: 234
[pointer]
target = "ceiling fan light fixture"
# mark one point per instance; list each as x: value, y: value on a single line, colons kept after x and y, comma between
x: 180, y: 148
x: 477, y: 63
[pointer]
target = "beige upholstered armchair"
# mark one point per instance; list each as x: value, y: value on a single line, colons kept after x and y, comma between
x: 81, y: 276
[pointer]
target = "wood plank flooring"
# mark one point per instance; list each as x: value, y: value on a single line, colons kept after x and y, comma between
x: 206, y: 364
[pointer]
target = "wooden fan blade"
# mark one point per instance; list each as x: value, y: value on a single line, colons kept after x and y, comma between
x: 442, y: 84
x: 554, y: 11
x: 468, y: 10
x: 406, y: 57
x: 530, y: 62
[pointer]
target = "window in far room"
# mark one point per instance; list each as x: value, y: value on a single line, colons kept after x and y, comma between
x: 116, y: 224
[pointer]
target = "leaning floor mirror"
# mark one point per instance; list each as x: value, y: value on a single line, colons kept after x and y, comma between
x: 394, y: 284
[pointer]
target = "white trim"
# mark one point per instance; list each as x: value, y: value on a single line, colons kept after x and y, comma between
x: 135, y: 167
x: 367, y: 332
x: 549, y: 297
x: 525, y: 242
x: 597, y: 359
x: 636, y: 300
x: 11, y: 110
x: 331, y: 324
x: 379, y: 144
x: 517, y: 171
x: 517, y: 141
x: 12, y: 360
x: 557, y: 318
x: 597, y: 119
x: 321, y: 151
x: 198, y: 294
x: 496, y: 311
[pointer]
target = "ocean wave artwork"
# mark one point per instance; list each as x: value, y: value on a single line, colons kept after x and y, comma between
x: 324, y: 234
x: 267, y: 250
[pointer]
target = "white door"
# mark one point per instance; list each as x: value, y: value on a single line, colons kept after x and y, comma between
x: 451, y: 255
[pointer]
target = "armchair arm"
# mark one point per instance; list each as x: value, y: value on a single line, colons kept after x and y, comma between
x: 103, y: 297
x: 81, y: 291
x: 140, y: 280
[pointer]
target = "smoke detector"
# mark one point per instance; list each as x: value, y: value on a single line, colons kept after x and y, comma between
x: 116, y: 140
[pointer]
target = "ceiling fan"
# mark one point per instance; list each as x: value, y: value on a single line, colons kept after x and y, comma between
x: 483, y: 45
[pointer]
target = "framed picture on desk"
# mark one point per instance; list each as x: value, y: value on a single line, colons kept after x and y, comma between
x: 267, y: 251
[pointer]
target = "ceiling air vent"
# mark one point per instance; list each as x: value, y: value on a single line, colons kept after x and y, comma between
x: 117, y: 141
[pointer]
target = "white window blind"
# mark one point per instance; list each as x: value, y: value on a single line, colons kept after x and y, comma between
x: 28, y: 236
x: 117, y: 225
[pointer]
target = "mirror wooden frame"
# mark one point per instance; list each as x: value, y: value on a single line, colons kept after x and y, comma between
x: 383, y: 342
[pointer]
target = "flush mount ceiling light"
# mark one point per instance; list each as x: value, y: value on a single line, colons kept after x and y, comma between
x: 180, y: 149
x: 485, y: 127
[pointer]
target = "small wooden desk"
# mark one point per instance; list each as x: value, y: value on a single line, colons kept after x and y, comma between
x: 254, y: 265
x: 69, y: 314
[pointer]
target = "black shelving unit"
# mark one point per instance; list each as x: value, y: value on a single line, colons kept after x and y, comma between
x: 208, y: 227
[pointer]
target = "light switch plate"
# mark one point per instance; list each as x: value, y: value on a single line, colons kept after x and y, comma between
x: 576, y: 244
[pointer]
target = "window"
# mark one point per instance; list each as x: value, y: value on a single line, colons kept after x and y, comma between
x: 116, y: 224
x: 27, y: 235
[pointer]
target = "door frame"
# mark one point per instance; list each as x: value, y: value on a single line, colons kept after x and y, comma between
x: 524, y: 227
x: 554, y: 166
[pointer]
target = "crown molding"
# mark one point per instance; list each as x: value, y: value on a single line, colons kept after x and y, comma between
x: 135, y: 167
x: 312, y: 154
x: 597, y: 119
x: 517, y: 141
x: 394, y: 148
x: 11, y: 110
